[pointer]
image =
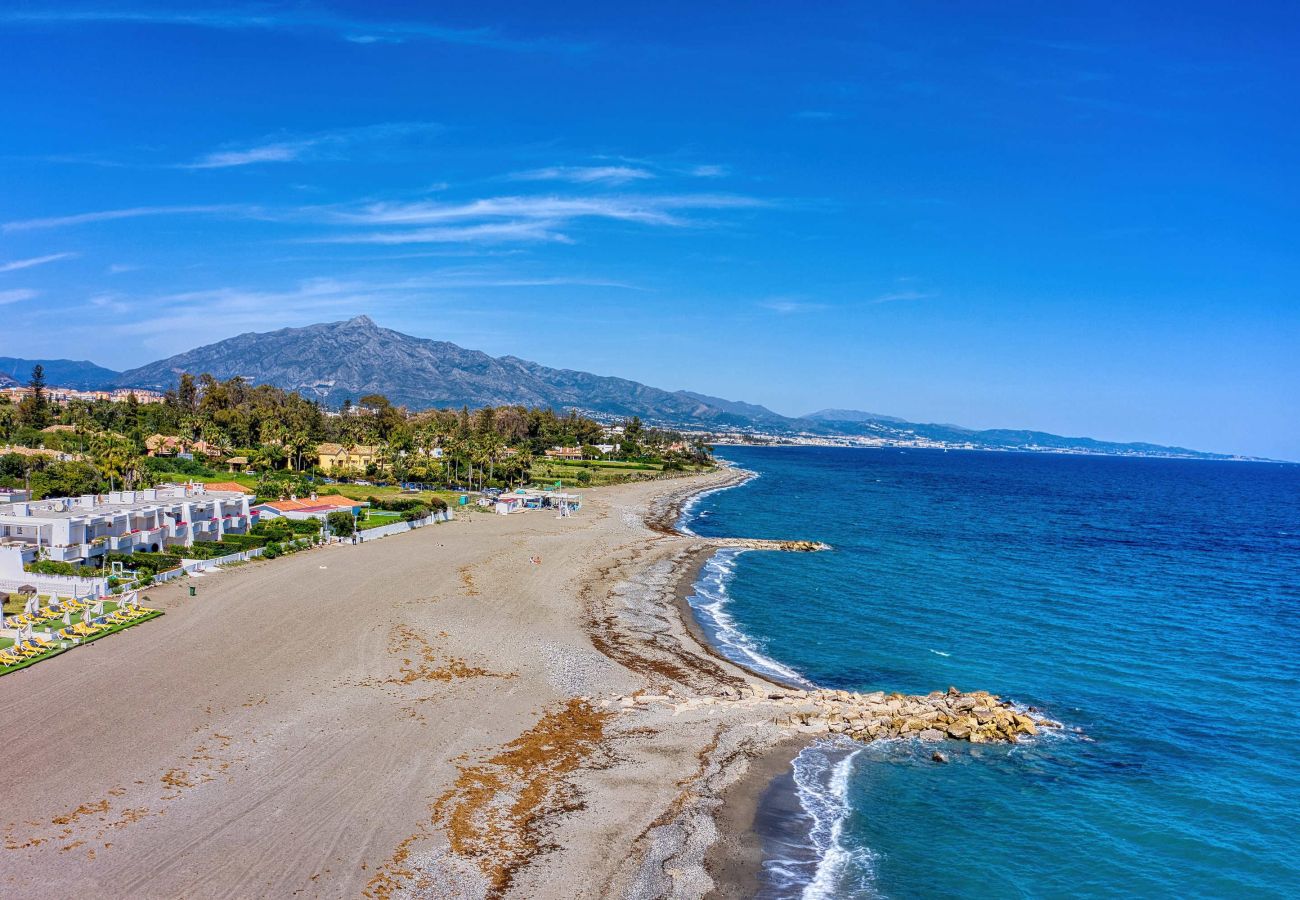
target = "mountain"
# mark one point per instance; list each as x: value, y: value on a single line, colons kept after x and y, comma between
x: 346, y: 360
x: 69, y: 373
x: 870, y: 425
x: 850, y: 415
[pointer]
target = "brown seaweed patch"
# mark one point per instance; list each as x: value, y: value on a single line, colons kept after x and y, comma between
x: 85, y: 809
x: 495, y: 812
x: 467, y: 581
x: 405, y: 639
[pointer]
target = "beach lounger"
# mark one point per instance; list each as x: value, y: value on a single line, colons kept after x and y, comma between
x: 10, y: 659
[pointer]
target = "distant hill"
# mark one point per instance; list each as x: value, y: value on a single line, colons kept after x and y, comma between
x: 335, y: 361
x: 864, y: 424
x: 346, y: 360
x: 80, y: 374
x: 850, y: 415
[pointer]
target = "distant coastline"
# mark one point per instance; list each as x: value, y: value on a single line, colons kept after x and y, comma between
x: 777, y: 440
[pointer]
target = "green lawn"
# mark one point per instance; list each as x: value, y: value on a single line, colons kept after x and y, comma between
x: 375, y: 518
x: 109, y: 606
x: 547, y: 472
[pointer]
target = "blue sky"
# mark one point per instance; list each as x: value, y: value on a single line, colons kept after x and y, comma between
x: 1080, y: 218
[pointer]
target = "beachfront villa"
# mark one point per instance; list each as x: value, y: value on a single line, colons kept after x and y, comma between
x: 83, y: 529
x: 313, y: 507
x: 338, y: 458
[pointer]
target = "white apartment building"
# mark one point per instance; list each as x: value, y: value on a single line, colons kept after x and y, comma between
x: 82, y: 529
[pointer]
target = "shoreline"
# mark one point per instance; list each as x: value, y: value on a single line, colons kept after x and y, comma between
x: 734, y: 861
x: 437, y: 713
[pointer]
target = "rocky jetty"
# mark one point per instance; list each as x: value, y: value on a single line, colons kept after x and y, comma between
x: 976, y: 716
x: 763, y: 544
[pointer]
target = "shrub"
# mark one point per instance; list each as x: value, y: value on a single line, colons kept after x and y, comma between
x: 340, y: 523
x: 419, y: 511
x: 272, y: 551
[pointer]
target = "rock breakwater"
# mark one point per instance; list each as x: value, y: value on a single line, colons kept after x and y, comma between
x: 976, y: 716
x: 764, y: 544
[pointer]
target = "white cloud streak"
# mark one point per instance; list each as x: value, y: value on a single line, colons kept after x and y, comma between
x: 225, y: 159
x: 903, y: 296
x: 17, y: 295
x: 34, y: 261
x: 528, y: 218
x: 586, y: 174
x: 300, y: 20
x: 789, y: 307
x: 109, y: 215
x: 338, y: 144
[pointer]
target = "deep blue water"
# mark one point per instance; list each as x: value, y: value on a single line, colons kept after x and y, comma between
x: 1152, y: 604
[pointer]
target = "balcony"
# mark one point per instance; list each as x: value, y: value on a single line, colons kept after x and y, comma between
x: 67, y: 553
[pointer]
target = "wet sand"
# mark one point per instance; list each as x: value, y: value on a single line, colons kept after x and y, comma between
x: 428, y: 714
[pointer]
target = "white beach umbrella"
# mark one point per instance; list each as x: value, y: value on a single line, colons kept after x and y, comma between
x: 85, y: 616
x: 98, y: 609
x: 67, y: 618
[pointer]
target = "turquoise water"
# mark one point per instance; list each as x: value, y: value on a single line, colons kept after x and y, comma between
x: 1151, y: 605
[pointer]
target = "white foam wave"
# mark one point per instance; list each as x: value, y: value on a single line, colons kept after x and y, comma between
x: 822, y: 773
x: 710, y: 600
x: 939, y: 652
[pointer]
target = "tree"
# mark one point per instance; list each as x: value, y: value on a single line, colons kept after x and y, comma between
x: 34, y: 410
x: 340, y: 523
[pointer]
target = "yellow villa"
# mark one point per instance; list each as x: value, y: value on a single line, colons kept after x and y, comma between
x: 337, y: 458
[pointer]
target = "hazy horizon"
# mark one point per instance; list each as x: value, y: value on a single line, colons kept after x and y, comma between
x: 1076, y: 221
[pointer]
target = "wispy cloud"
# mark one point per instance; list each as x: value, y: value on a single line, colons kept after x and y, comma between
x: 786, y: 306
x: 224, y: 159
x: 519, y: 218
x: 487, y: 220
x: 16, y: 295
x: 708, y: 171
x: 656, y: 209
x: 486, y: 233
x: 585, y: 174
x: 34, y: 261
x: 294, y: 19
x: 337, y: 144
x: 109, y: 215
x: 903, y: 296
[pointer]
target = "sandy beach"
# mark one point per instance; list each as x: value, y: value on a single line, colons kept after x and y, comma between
x: 431, y: 714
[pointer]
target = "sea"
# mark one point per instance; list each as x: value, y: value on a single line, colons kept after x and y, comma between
x: 1151, y: 605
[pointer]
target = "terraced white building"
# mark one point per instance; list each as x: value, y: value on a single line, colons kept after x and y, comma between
x: 83, y: 529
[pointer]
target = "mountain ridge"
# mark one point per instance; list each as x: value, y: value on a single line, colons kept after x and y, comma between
x: 336, y: 361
